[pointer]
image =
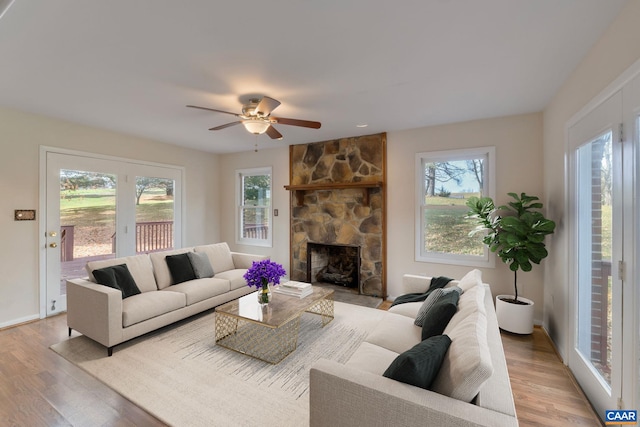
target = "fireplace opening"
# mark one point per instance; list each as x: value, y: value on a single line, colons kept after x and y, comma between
x: 334, y: 264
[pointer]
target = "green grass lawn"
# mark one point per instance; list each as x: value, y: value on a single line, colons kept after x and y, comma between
x: 96, y: 207
x: 447, y: 228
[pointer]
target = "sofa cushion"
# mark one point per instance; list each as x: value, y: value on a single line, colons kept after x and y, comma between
x: 431, y: 300
x: 409, y: 309
x: 387, y: 333
x: 235, y: 277
x: 201, y: 289
x: 469, y: 280
x: 160, y: 267
x: 371, y: 358
x: 180, y: 268
x: 117, y: 277
x: 439, y: 315
x: 150, y: 304
x: 201, y: 265
x: 219, y: 255
x: 467, y: 365
x: 419, y: 365
x: 139, y: 266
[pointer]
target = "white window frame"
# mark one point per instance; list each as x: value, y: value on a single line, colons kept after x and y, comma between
x: 240, y: 173
x: 488, y: 257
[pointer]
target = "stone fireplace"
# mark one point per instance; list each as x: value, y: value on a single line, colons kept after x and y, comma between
x: 338, y: 198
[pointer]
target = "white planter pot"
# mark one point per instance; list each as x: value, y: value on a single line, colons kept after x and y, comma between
x: 516, y: 318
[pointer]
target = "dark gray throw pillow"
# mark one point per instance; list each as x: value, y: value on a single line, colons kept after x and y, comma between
x: 420, y: 364
x: 117, y: 277
x: 439, y: 316
x: 201, y: 264
x: 180, y: 268
x: 431, y: 300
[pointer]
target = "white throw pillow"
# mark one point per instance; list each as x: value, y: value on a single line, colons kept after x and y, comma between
x: 471, y: 279
x: 433, y: 298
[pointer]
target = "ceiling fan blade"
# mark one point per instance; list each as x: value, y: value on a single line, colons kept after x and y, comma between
x: 226, y: 126
x: 213, y: 109
x: 266, y: 106
x: 273, y: 133
x: 296, y: 122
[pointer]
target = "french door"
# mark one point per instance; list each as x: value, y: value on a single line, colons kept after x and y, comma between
x: 604, y: 244
x: 97, y: 208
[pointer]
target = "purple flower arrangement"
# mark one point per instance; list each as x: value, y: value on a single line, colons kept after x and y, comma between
x: 261, y: 273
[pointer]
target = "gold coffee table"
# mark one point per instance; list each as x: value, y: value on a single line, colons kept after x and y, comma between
x: 268, y: 333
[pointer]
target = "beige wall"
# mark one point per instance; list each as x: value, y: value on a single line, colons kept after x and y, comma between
x: 21, y: 136
x: 517, y: 140
x: 519, y: 169
x: 616, y: 51
x: 278, y: 159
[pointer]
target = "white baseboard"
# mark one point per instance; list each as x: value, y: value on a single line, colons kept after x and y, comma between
x: 18, y: 321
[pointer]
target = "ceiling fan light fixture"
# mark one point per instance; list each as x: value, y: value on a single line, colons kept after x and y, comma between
x: 256, y: 127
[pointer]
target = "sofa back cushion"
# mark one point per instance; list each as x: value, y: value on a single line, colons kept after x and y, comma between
x: 139, y: 266
x: 467, y: 365
x: 160, y: 267
x: 469, y: 303
x: 219, y: 255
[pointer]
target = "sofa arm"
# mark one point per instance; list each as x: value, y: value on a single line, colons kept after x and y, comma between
x: 95, y: 311
x: 241, y: 260
x: 412, y: 283
x: 343, y: 396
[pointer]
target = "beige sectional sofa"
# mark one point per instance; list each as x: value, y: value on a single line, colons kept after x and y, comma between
x: 100, y: 312
x: 471, y: 388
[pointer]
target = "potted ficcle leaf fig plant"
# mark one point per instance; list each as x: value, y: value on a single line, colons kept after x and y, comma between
x: 516, y: 233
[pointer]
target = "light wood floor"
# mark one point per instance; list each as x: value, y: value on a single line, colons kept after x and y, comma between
x: 40, y: 388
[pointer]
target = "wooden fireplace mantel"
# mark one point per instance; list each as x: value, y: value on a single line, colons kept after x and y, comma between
x: 300, y: 189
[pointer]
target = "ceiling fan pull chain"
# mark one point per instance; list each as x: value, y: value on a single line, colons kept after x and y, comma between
x: 256, y: 146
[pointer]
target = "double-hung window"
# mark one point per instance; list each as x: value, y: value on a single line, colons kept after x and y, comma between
x: 254, y: 223
x: 444, y: 182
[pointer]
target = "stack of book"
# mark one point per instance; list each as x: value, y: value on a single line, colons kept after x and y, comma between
x: 295, y: 289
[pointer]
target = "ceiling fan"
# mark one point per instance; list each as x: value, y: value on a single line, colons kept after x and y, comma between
x: 257, y: 119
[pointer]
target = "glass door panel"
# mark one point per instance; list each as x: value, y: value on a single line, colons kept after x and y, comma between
x: 155, y: 208
x: 87, y: 220
x: 594, y: 254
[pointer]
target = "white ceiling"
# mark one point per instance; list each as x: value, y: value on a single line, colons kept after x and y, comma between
x: 132, y: 65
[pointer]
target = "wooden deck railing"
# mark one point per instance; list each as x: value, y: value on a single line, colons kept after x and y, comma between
x: 154, y: 236
x: 66, y: 242
x: 151, y: 236
x: 255, y: 231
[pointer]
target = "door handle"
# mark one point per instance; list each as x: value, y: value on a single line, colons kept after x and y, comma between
x: 53, y: 245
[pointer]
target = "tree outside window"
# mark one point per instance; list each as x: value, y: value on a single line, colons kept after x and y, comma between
x: 445, y: 180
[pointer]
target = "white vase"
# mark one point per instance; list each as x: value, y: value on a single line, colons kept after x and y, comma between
x: 516, y: 318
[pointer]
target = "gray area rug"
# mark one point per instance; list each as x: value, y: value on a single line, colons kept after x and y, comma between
x: 180, y: 376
